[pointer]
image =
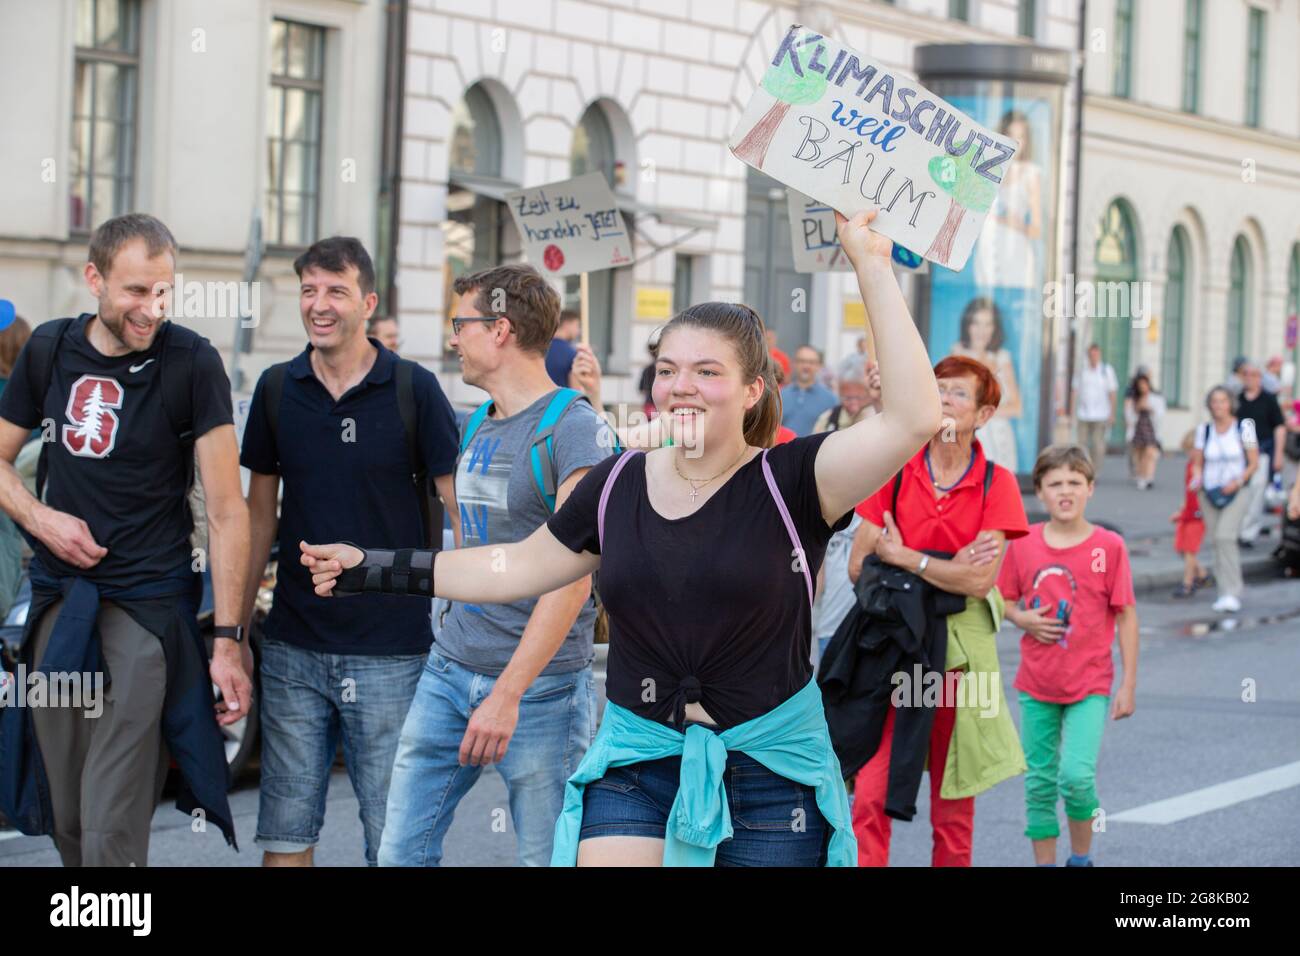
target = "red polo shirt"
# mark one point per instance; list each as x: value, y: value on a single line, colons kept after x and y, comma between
x: 950, y: 522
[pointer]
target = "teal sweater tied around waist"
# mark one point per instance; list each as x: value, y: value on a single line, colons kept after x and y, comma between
x: 790, y: 740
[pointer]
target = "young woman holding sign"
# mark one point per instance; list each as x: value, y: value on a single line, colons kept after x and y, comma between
x: 714, y: 747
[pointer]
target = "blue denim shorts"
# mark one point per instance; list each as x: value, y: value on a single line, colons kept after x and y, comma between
x: 309, y: 701
x: 775, y: 821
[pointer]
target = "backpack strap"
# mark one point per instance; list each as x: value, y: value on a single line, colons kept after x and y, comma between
x: 176, y: 370
x: 542, y: 453
x: 42, y: 351
x: 272, y: 392
x: 833, y: 423
x: 789, y: 526
x: 472, y: 425
x: 988, y: 478
x: 898, y: 483
x: 431, y: 513
x: 624, y: 458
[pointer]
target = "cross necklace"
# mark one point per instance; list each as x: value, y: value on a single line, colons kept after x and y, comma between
x: 695, y: 489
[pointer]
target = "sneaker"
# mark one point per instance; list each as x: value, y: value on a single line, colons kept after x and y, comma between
x: 1202, y: 582
x: 1185, y: 590
x: 1227, y: 604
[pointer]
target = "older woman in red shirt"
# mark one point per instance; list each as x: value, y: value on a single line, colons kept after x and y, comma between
x: 941, y: 505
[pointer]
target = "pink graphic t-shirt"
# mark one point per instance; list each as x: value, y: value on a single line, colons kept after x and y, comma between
x: 1088, y: 584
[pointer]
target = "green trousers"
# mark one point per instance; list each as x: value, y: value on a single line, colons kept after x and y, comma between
x: 1061, y: 743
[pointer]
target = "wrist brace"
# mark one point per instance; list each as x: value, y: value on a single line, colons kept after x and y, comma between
x: 405, y: 571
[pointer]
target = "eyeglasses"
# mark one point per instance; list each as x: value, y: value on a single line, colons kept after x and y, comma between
x: 458, y: 322
x: 956, y: 393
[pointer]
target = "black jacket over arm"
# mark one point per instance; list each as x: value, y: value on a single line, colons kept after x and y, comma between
x: 898, y: 622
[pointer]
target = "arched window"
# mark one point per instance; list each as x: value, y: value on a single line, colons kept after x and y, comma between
x: 1117, y: 268
x: 1240, y: 305
x: 1171, y: 340
x: 472, y: 231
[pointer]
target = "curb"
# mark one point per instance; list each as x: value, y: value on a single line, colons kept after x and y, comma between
x: 1253, y: 568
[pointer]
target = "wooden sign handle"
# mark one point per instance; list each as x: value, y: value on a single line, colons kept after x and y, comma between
x: 582, y: 308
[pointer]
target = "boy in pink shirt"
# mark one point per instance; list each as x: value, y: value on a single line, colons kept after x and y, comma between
x: 1067, y: 584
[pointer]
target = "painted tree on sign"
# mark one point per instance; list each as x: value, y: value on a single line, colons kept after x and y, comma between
x: 790, y: 89
x: 966, y: 189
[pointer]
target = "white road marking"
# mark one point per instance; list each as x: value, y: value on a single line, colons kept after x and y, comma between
x: 1213, y: 798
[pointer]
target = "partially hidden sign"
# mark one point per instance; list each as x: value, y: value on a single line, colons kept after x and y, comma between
x: 816, y: 245
x: 830, y: 123
x: 812, y: 235
x: 572, y: 226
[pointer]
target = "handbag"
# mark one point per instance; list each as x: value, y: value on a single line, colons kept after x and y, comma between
x: 1219, y: 498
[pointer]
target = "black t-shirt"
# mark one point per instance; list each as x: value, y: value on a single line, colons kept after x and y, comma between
x: 115, y: 460
x: 1265, y: 412
x: 716, y: 596
x: 347, y: 477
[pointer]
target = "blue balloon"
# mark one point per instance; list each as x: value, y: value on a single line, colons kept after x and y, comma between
x: 7, y: 313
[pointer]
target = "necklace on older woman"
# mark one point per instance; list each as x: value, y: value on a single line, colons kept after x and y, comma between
x: 930, y: 468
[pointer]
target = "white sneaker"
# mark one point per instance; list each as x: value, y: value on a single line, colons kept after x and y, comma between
x: 1227, y: 604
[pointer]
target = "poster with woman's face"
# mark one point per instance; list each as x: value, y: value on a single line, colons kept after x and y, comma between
x: 992, y: 309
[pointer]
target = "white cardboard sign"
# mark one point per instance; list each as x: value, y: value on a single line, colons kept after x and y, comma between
x: 830, y: 123
x: 572, y: 226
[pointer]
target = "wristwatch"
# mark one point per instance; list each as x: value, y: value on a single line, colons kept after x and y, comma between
x: 235, y: 633
x: 925, y: 563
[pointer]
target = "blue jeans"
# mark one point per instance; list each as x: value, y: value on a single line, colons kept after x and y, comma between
x: 309, y: 699
x: 557, y: 721
x: 775, y: 821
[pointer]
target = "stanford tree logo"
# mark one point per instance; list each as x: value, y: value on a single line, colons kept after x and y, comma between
x: 93, y: 431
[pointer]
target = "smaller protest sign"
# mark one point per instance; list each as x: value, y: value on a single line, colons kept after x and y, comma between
x: 571, y: 227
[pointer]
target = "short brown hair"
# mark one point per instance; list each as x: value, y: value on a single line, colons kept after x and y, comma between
x: 1074, y: 457
x: 531, y: 305
x: 111, y: 236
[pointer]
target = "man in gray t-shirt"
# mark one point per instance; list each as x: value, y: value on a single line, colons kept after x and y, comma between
x: 500, y: 502
x: 505, y: 684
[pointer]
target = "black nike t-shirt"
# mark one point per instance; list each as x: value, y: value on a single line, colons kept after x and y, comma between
x: 114, y: 459
x: 715, y: 600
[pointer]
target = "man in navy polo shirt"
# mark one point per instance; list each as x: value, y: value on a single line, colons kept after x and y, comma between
x: 338, y: 441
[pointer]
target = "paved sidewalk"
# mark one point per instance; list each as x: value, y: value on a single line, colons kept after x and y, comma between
x: 1142, y: 517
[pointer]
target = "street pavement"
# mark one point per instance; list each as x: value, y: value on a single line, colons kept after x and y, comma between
x: 1210, y: 761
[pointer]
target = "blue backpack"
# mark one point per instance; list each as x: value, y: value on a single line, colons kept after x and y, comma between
x: 541, y: 455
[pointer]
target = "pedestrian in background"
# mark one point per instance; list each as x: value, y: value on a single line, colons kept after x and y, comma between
x: 1223, y: 459
x: 12, y: 340
x: 1143, y: 411
x: 803, y: 399
x: 1189, y: 523
x: 859, y: 392
x: 1093, y: 398
x: 1260, y: 406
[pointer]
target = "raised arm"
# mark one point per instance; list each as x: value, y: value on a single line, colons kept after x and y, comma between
x: 854, y: 462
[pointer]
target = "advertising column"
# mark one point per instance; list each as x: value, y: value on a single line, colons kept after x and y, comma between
x: 993, y: 308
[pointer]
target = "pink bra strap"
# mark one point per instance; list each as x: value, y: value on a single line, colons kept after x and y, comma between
x: 623, y: 459
x: 789, y: 525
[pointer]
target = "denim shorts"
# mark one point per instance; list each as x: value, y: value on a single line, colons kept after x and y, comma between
x: 775, y: 821
x: 309, y: 701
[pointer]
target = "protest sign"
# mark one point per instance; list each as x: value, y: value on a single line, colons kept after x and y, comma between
x: 848, y: 132
x: 571, y: 227
x: 812, y: 236
x: 815, y: 243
